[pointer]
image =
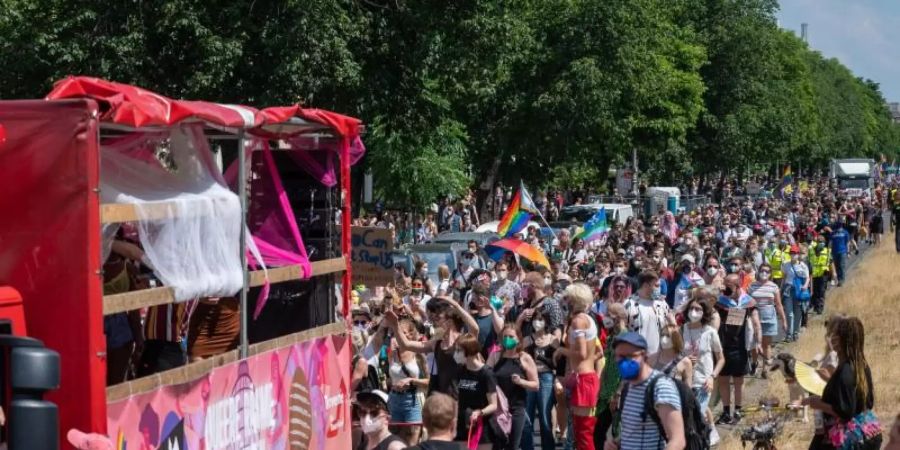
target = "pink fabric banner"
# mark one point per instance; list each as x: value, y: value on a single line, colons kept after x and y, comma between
x: 297, y: 397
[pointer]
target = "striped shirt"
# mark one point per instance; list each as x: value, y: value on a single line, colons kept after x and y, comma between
x: 763, y: 293
x: 637, y: 434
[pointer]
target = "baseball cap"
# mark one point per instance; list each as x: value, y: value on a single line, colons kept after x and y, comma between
x: 689, y: 258
x: 377, y: 395
x: 632, y: 338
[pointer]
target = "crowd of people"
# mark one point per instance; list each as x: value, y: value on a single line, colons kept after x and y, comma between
x: 680, y: 308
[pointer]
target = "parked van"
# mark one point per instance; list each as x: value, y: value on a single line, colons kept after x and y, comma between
x: 615, y: 212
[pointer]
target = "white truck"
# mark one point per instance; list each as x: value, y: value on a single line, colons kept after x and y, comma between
x: 855, y: 177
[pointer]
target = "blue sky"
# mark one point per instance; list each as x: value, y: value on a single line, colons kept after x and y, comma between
x: 862, y: 34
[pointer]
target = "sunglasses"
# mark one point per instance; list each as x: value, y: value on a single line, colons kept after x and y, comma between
x: 361, y: 322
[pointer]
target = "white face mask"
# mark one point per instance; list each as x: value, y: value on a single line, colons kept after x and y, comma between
x: 608, y: 322
x: 620, y: 270
x: 502, y: 274
x: 712, y: 271
x: 665, y: 342
x: 370, y: 425
x: 548, y: 282
x: 695, y: 316
x: 763, y: 276
x: 459, y: 357
x: 538, y: 325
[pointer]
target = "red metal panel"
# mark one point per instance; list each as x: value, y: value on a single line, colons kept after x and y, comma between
x: 50, y: 243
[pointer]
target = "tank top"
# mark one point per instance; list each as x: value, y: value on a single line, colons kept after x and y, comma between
x: 589, y: 335
x: 396, y: 369
x: 446, y: 370
x: 543, y: 356
x: 503, y: 372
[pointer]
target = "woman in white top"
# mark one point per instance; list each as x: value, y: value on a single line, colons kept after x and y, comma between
x: 444, y: 281
x: 408, y: 377
x: 672, y: 360
x: 703, y: 347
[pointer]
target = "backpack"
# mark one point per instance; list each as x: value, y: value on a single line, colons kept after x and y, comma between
x: 696, y: 431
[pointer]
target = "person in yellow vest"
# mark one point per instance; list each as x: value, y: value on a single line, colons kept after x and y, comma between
x: 822, y: 266
x: 774, y: 257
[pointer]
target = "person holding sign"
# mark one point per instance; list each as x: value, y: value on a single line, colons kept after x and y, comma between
x: 737, y: 311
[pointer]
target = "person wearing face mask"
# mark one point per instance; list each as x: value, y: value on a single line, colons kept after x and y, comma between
x: 703, y: 347
x: 503, y: 287
x: 686, y: 278
x: 638, y: 431
x: 774, y: 256
x: 715, y: 276
x: 615, y: 323
x: 517, y: 377
x: 770, y: 310
x: 477, y: 394
x: 820, y: 262
x: 407, y: 377
x: 618, y: 270
x: 372, y: 410
x: 796, y: 282
x: 421, y: 272
x: 452, y: 321
x: 737, y: 311
x: 477, y: 261
x: 541, y: 345
x: 536, y: 301
x: 444, y: 281
x: 647, y: 312
x: 418, y: 297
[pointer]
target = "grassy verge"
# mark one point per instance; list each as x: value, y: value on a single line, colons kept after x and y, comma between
x: 872, y: 293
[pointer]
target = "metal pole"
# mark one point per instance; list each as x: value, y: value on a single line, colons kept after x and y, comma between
x: 242, y: 194
x: 634, y: 180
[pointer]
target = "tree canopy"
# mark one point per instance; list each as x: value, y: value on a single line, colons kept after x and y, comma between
x: 467, y: 93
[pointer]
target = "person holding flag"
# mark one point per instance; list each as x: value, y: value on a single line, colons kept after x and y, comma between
x: 787, y: 183
x: 595, y: 228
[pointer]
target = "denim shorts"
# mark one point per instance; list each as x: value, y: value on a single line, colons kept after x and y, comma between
x: 404, y: 407
x: 768, y: 320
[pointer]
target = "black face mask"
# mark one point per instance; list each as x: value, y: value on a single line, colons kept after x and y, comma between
x: 728, y: 292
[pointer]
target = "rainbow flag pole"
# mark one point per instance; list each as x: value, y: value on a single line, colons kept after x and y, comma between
x: 521, y: 209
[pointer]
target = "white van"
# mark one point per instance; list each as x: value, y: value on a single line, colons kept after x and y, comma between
x: 615, y: 212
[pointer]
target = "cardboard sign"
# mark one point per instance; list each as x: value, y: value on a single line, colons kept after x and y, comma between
x: 371, y: 256
x: 736, y: 316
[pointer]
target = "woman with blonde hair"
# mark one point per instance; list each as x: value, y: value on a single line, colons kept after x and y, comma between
x: 444, y: 281
x: 581, y: 380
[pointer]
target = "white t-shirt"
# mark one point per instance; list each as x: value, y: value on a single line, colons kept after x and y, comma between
x: 702, y: 342
x: 647, y: 317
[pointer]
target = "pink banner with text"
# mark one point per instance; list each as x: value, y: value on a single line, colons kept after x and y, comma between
x: 296, y: 397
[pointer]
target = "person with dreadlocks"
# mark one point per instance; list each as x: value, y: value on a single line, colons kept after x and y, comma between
x: 849, y: 396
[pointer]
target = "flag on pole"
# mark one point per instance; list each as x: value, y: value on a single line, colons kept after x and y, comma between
x: 595, y: 228
x: 520, y: 211
x: 787, y: 182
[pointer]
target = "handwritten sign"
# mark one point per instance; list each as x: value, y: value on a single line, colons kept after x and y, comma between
x: 371, y: 256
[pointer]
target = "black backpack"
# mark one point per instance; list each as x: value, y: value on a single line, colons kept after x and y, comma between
x: 696, y: 431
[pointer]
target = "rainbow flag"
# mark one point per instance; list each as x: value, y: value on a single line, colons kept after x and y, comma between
x: 595, y: 228
x: 787, y: 182
x: 517, y: 215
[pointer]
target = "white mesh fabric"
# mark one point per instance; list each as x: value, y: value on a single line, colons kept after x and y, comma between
x: 190, y: 223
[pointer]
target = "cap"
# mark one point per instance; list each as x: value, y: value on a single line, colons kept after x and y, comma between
x: 795, y: 249
x: 632, y: 338
x: 689, y: 258
x: 374, y: 395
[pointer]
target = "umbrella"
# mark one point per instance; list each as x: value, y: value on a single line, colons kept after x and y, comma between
x: 496, y: 250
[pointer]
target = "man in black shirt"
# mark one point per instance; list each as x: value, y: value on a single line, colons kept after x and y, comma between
x: 439, y: 417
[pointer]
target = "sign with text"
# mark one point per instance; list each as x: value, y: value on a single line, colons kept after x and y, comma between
x: 371, y: 256
x: 296, y: 397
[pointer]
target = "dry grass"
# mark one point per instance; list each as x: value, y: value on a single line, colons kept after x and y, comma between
x: 871, y: 292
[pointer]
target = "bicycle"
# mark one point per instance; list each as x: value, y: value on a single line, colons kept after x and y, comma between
x: 764, y: 433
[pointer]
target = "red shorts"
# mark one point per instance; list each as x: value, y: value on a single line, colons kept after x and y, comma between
x: 584, y: 393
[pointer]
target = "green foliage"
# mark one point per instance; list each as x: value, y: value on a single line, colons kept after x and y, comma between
x: 462, y: 93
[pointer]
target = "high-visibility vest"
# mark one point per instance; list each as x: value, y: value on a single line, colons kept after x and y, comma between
x: 820, y: 263
x: 775, y: 258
